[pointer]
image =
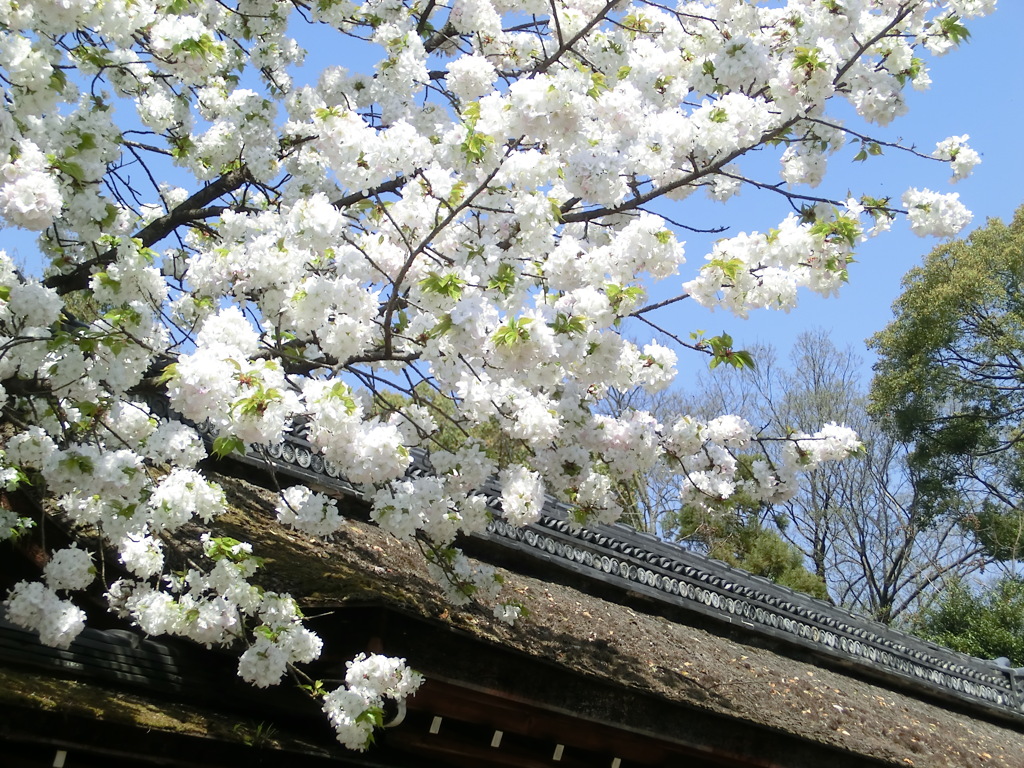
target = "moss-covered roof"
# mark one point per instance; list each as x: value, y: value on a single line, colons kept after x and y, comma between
x: 133, y: 725
x: 88, y: 699
x: 701, y: 668
x: 652, y: 674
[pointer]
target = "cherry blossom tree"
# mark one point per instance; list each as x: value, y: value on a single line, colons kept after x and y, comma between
x: 474, y: 214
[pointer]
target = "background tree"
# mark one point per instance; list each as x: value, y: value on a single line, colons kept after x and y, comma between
x: 732, y: 532
x: 860, y: 525
x: 950, y: 381
x: 986, y: 622
x: 739, y: 534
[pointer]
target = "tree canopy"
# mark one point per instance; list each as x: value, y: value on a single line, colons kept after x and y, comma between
x: 950, y: 380
x: 987, y: 623
x: 479, y: 210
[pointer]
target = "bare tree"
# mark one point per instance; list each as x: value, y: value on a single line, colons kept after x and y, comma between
x: 859, y: 523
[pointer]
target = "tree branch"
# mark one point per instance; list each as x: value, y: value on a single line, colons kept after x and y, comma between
x: 193, y: 209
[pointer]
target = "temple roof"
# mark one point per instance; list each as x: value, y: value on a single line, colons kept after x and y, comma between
x: 629, y: 650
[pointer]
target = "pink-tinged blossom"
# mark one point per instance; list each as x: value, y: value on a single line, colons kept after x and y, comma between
x: 375, y: 676
x: 154, y: 611
x: 187, y: 47
x: 731, y: 431
x: 961, y: 157
x: 830, y: 443
x: 264, y: 663
x: 176, y: 444
x: 142, y: 555
x: 33, y: 305
x: 272, y: 651
x: 344, y: 710
x: 507, y: 613
x: 69, y: 569
x: 470, y: 77
x: 182, y: 494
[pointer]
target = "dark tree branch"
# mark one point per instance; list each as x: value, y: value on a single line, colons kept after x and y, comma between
x: 193, y: 209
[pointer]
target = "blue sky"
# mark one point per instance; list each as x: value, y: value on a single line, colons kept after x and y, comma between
x: 978, y: 90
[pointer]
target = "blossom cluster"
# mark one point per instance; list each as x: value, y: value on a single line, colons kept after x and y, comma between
x: 37, y: 605
x: 961, y: 157
x: 708, y: 455
x: 450, y: 251
x: 355, y: 708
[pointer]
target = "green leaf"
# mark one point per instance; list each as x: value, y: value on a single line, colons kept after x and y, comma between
x: 256, y: 404
x: 504, y: 280
x: 954, y: 30
x: 95, y: 57
x: 86, y: 142
x: 449, y: 285
x: 598, y: 85
x: 842, y: 229
x: 911, y: 72
x: 204, y: 47
x: 325, y: 113
x: 316, y: 688
x: 619, y: 295
x: 58, y: 80
x: 512, y: 332
x: 569, y: 324
x: 876, y: 206
x: 636, y: 23
x: 168, y: 373
x: 475, y: 146
x: 742, y: 359
x: 722, y: 352
x: 341, y: 391
x: 808, y: 59
x: 458, y: 193
x: 123, y: 315
x: 225, y: 445
x: 77, y: 462
x: 111, y: 213
x: 471, y: 114
x: 181, y: 146
x: 74, y: 170
x: 373, y: 715
x: 228, y: 548
x: 731, y: 268
x: 556, y: 210
x: 443, y: 326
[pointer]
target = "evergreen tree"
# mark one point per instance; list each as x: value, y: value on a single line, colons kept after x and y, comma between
x: 950, y: 381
